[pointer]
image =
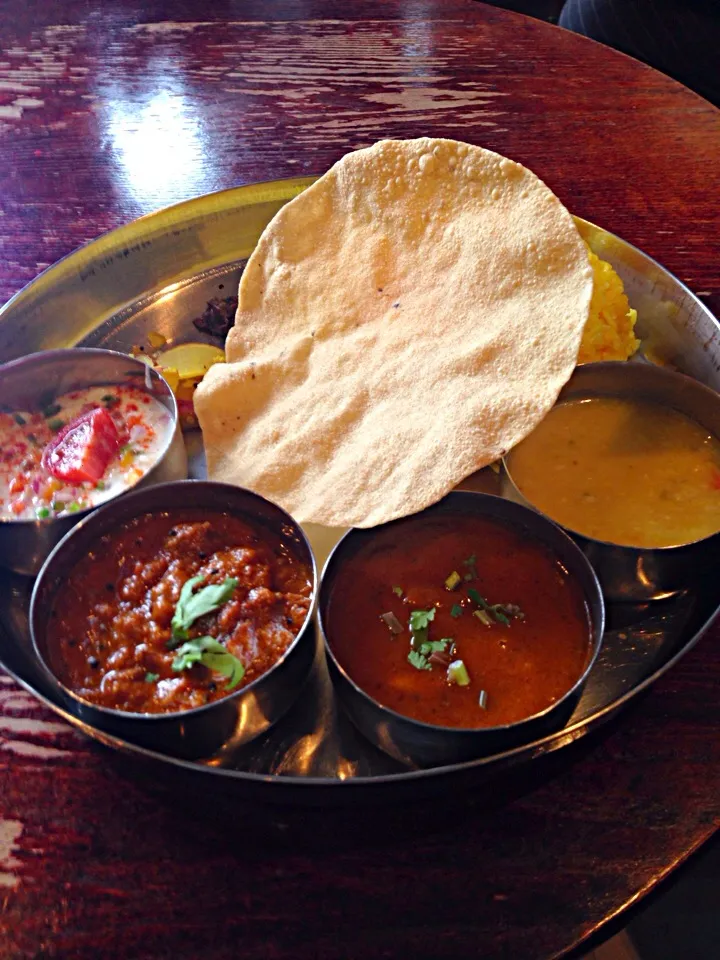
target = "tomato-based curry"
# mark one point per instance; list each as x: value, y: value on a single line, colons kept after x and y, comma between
x: 174, y: 610
x: 459, y: 621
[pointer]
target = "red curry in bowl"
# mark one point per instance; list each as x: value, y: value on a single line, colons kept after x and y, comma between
x: 174, y: 610
x: 459, y: 621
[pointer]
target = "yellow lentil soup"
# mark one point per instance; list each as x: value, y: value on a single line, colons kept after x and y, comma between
x: 628, y: 471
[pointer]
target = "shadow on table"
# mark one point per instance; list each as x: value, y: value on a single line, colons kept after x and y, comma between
x: 198, y: 807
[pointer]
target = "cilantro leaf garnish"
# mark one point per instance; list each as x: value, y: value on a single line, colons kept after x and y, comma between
x: 420, y: 619
x: 191, y: 606
x: 456, y: 610
x: 419, y: 624
x: 418, y: 660
x: 432, y: 646
x: 398, y: 591
x: 151, y: 677
x: 211, y: 654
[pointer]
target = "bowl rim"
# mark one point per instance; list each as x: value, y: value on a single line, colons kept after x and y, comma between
x: 133, y: 716
x: 29, y: 359
x: 603, y: 368
x: 469, y: 496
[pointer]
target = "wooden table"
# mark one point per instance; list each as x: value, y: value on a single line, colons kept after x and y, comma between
x: 108, y: 111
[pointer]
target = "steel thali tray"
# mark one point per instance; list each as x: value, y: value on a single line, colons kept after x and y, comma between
x: 156, y: 275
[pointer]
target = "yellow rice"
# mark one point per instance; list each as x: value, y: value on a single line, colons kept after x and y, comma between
x: 609, y: 332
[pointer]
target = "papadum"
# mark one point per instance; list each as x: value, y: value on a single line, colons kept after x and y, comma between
x: 405, y: 321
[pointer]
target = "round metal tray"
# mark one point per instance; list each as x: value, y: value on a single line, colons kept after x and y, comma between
x: 156, y: 275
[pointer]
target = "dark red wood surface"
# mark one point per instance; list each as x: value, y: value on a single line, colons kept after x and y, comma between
x: 111, y: 110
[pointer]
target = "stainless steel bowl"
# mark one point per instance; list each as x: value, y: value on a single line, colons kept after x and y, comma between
x: 201, y: 731
x: 26, y: 383
x: 636, y: 573
x: 420, y: 744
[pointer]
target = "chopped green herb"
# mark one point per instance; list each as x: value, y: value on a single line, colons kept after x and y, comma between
x: 392, y: 622
x: 482, y: 700
x: 108, y: 398
x: 457, y: 673
x: 211, y: 654
x: 398, y: 591
x: 191, y: 606
x: 498, y: 614
x: 512, y: 610
x: 472, y: 569
x: 453, y: 580
x: 51, y: 410
x: 100, y: 485
x: 57, y: 506
x: 126, y: 448
x: 20, y: 421
x: 483, y: 616
x: 56, y: 424
x: 419, y: 626
x: 434, y: 646
x: 476, y: 598
x: 418, y: 660
x: 151, y: 677
x: 420, y: 619
x: 456, y: 610
x: 42, y: 513
x: 73, y: 507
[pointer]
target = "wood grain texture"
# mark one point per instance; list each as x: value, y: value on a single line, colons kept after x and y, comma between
x: 108, y: 111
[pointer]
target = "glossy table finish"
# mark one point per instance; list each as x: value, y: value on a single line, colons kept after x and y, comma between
x: 109, y: 111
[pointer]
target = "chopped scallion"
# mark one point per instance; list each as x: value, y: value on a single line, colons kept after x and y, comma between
x: 20, y: 421
x: 477, y: 599
x: 56, y: 424
x: 453, y: 581
x: 483, y: 616
x: 398, y: 591
x: 457, y: 673
x: 42, y: 513
x: 51, y: 410
x: 151, y: 677
x: 456, y: 610
x: 482, y: 700
x: 498, y: 614
x: 391, y: 622
x: 73, y: 507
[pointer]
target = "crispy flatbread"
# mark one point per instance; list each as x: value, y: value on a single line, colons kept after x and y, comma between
x: 405, y: 321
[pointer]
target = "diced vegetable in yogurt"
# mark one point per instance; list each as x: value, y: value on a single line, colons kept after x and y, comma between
x: 80, y: 449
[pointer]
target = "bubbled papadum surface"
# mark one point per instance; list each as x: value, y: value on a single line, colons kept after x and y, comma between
x: 403, y: 322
